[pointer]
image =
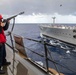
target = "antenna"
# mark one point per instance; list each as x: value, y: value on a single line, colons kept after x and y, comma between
x: 53, y: 20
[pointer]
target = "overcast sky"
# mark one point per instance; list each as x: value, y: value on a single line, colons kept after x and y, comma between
x: 40, y: 9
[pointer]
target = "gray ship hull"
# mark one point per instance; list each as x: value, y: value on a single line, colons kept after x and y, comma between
x: 66, y: 35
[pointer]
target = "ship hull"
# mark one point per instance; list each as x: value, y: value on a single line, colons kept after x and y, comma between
x: 66, y: 35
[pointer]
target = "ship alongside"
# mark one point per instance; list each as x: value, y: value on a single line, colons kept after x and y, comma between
x: 61, y: 32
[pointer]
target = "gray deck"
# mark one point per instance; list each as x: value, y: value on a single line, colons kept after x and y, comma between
x: 20, y: 66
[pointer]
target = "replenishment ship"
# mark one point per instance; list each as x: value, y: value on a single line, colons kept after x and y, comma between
x: 61, y: 32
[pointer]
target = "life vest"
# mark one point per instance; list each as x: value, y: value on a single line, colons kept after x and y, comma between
x: 2, y: 37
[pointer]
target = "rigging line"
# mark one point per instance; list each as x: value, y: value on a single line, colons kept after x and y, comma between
x: 34, y: 52
x: 32, y: 44
x: 32, y: 39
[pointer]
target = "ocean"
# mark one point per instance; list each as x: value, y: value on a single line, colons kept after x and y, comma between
x: 67, y: 60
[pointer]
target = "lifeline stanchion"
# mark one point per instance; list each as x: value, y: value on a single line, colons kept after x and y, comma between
x: 46, y: 56
x: 10, y: 33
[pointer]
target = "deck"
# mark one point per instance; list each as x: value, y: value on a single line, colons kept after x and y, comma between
x: 20, y: 65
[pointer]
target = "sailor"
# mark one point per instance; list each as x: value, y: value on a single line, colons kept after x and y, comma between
x: 3, y: 27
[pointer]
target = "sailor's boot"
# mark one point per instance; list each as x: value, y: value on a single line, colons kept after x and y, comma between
x: 2, y: 71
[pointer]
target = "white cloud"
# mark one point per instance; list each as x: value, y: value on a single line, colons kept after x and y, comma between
x: 40, y: 11
x: 42, y: 18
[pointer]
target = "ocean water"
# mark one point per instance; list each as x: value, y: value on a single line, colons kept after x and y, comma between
x: 67, y: 60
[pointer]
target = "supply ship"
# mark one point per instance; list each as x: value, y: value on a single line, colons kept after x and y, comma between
x: 59, y: 31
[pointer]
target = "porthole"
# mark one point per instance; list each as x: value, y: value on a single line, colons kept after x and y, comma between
x: 74, y: 36
x: 74, y: 30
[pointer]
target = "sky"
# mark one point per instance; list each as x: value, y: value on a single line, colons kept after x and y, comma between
x: 40, y: 11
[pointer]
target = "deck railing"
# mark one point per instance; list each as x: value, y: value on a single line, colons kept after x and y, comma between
x: 46, y: 52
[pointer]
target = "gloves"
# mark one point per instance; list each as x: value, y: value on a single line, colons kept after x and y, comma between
x: 4, y: 20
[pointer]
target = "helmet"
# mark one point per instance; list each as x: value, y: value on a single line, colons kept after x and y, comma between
x: 1, y: 17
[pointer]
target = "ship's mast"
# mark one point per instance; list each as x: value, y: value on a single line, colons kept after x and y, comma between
x: 53, y: 19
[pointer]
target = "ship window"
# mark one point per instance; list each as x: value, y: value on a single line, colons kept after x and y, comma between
x: 74, y: 36
x: 74, y: 30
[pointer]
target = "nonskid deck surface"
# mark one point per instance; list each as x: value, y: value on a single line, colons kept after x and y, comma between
x: 19, y: 66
